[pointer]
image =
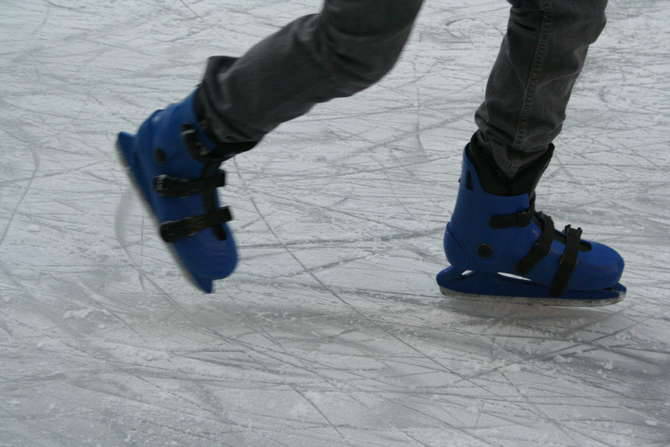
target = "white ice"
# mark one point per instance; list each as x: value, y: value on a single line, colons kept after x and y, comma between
x: 333, y: 331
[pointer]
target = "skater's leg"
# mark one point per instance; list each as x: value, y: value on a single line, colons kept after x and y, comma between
x: 174, y: 157
x: 531, y: 81
x: 495, y: 228
x: 346, y: 48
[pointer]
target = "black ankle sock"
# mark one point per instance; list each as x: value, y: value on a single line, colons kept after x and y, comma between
x: 494, y: 181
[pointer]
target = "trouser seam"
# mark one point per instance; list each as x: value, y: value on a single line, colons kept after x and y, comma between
x: 535, y: 73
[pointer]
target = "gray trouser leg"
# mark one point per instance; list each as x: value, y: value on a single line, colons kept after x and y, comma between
x: 530, y: 84
x: 349, y: 46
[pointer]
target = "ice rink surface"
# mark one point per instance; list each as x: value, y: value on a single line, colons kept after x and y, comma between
x: 332, y: 332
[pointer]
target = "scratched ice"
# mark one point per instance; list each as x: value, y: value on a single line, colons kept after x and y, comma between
x: 332, y: 332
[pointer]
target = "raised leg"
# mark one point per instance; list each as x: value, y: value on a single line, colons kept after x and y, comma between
x: 346, y: 48
x: 174, y: 158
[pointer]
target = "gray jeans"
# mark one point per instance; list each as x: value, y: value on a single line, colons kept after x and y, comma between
x: 352, y: 44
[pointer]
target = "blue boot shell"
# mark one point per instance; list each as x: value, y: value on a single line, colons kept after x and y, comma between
x: 492, y: 234
x: 175, y: 166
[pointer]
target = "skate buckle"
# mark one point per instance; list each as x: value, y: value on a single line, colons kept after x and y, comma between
x: 196, y: 149
x: 202, y: 153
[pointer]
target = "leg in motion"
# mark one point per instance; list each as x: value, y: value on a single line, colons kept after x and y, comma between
x: 174, y: 158
x: 494, y: 228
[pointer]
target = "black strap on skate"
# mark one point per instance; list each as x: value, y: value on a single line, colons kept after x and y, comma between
x: 520, y: 219
x: 178, y: 187
x: 212, y: 178
x: 172, y: 231
x: 542, y: 246
x: 568, y: 261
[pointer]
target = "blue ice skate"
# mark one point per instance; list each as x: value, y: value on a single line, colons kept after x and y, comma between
x: 174, y: 163
x: 500, y: 248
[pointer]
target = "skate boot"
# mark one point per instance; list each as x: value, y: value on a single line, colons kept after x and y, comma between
x: 173, y: 161
x: 501, y: 249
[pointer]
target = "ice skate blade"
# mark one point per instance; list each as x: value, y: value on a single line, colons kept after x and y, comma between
x: 536, y: 301
x: 205, y: 285
x: 505, y: 288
